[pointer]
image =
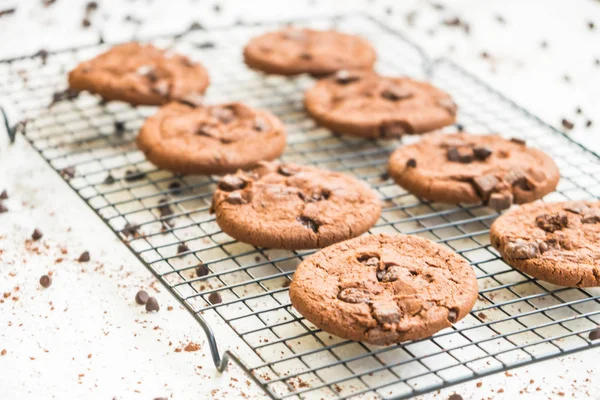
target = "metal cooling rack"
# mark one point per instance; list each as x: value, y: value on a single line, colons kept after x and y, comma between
x: 517, y: 320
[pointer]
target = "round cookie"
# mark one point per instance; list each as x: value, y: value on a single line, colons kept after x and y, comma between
x: 210, y: 139
x: 464, y: 168
x: 296, y: 51
x: 363, y: 103
x: 384, y: 289
x: 291, y: 206
x: 555, y: 242
x: 141, y: 75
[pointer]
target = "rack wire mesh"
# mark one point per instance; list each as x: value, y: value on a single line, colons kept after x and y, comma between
x: 517, y: 320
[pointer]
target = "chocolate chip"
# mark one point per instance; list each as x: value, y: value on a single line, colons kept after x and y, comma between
x: 482, y: 153
x: 235, y: 198
x: 588, y: 123
x: 152, y: 304
x: 594, y: 335
x: 517, y: 178
x: 465, y: 157
x: 386, y: 312
x: 452, y: 315
x: 484, y: 185
x: 285, y: 170
x: 522, y: 250
x: 215, y: 298
x: 567, y: 124
x: 91, y: 6
x: 344, y: 76
x: 109, y: 180
x: 131, y: 230
x: 305, y: 56
x: 223, y: 114
x: 394, y: 129
x: 500, y: 201
x: 552, y: 222
x: 395, y: 93
x: 119, y: 128
x: 455, y: 396
x: 3, y: 208
x: 3, y: 195
x: 260, y: 125
x: 230, y: 183
x: 201, y: 270
x: 37, y: 234
x: 411, y: 163
x: 386, y: 275
x: 45, y: 281
x: 518, y: 141
x: 141, y: 297
x: 369, y: 260
x: 182, y: 248
x: 68, y: 173
x: 86, y: 23
x: 134, y: 175
x: 452, y: 154
x: 175, y: 188
x: 449, y: 105
x: 309, y: 223
x: 84, y: 257
x: 354, y: 295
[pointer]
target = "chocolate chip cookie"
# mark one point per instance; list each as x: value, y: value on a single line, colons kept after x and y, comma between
x: 210, y: 139
x: 296, y: 51
x: 384, y: 289
x: 363, y: 103
x: 141, y: 75
x: 555, y: 242
x: 291, y: 206
x: 464, y: 168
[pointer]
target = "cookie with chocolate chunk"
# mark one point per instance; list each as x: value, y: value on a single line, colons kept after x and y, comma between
x: 141, y: 75
x: 291, y: 206
x: 384, y: 289
x: 363, y: 103
x: 294, y: 51
x: 556, y: 242
x: 465, y: 168
x: 210, y: 139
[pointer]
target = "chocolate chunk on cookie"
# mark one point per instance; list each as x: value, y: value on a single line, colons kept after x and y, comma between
x: 465, y: 168
x: 296, y: 51
x: 374, y: 106
x: 140, y: 75
x: 210, y: 139
x: 291, y: 206
x: 556, y: 242
x: 384, y: 289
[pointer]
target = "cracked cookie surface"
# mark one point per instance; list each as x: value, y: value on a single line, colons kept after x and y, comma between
x: 141, y: 75
x: 556, y: 242
x: 363, y: 103
x: 384, y: 289
x: 210, y: 139
x: 295, y: 51
x: 292, y: 206
x: 466, y: 168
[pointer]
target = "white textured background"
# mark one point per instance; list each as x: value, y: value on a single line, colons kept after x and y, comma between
x: 84, y: 337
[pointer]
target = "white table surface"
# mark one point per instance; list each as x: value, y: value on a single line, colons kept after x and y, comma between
x: 85, y: 337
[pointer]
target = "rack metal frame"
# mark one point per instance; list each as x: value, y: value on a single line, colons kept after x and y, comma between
x: 517, y: 320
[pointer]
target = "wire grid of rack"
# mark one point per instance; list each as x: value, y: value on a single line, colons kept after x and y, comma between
x: 517, y: 320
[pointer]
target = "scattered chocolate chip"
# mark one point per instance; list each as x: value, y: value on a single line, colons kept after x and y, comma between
x: 395, y: 93
x: 411, y: 163
x: 205, y: 45
x: 175, y: 188
x: 452, y: 315
x: 594, y: 335
x: 567, y: 124
x: 522, y: 250
x: 449, y: 105
x: 518, y: 141
x: 7, y: 11
x: 84, y: 257
x: 201, y: 270
x: 591, y: 25
x: 164, y: 209
x: 230, y: 183
x: 109, y: 180
x: 455, y: 396
x: 182, y: 248
x: 354, y: 295
x: 484, y: 185
x: 68, y: 173
x: 152, y: 304
x: 3, y: 208
x: 130, y: 229
x: 4, y: 195
x: 500, y: 201
x: 309, y: 223
x: 119, y: 128
x: 482, y: 153
x: 86, y: 22
x: 215, y: 298
x: 552, y: 222
x: 45, y: 281
x: 141, y: 297
x: 452, y: 21
x: 134, y: 175
x: 37, y: 234
x: 91, y: 6
x: 261, y: 125
x: 588, y: 123
x: 344, y: 76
